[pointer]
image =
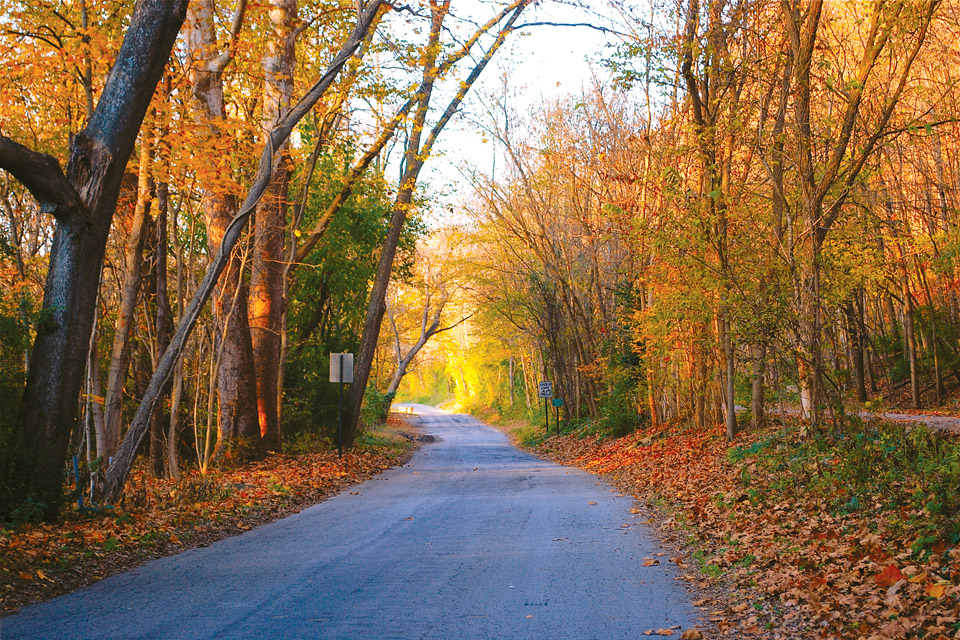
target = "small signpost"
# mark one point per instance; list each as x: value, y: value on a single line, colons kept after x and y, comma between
x: 545, y: 390
x: 341, y: 371
x: 557, y: 403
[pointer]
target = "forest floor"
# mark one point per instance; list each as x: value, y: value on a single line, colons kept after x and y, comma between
x: 840, y: 535
x: 161, y: 517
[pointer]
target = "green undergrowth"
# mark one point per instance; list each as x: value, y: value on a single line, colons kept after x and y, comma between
x: 908, y: 476
x: 386, y: 437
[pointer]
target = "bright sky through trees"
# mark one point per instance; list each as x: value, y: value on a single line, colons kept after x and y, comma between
x: 542, y: 64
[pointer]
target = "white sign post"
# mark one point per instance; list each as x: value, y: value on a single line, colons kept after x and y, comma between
x: 341, y: 367
x: 341, y: 371
x: 545, y: 390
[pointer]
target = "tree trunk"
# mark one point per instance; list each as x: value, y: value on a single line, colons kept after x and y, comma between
x: 729, y: 380
x: 239, y: 433
x: 856, y: 342
x: 414, y: 157
x: 526, y: 384
x: 94, y: 390
x: 83, y: 205
x: 758, y: 416
x: 163, y: 324
x: 129, y: 293
x: 909, y: 335
x: 266, y: 305
x: 176, y: 392
x: 239, y: 425
x: 512, y: 394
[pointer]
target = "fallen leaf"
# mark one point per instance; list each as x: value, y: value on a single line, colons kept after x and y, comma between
x: 691, y: 634
x: 889, y: 576
x: 935, y: 590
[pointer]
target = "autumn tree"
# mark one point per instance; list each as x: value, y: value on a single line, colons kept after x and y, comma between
x: 82, y: 200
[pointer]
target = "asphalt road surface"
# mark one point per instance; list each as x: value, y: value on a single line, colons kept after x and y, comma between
x: 473, y: 539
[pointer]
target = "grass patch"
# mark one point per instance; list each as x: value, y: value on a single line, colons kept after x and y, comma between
x: 910, y: 476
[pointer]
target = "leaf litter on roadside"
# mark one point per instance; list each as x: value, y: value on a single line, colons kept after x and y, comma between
x: 159, y: 517
x: 794, y: 563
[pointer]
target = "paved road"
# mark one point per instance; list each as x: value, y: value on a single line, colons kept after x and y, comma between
x: 472, y: 539
x: 933, y: 422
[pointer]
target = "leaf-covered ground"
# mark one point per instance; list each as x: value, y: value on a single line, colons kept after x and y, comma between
x: 163, y: 517
x: 839, y: 536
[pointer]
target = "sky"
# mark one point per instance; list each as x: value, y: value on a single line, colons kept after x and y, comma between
x: 543, y: 63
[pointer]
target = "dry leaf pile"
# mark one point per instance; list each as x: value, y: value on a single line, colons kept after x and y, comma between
x: 800, y: 560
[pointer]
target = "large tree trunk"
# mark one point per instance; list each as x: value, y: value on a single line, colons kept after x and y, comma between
x: 239, y: 433
x: 266, y: 283
x: 83, y: 205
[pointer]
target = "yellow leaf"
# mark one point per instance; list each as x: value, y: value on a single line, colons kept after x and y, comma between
x: 935, y: 590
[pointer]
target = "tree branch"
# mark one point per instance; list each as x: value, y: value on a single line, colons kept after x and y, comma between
x: 42, y: 175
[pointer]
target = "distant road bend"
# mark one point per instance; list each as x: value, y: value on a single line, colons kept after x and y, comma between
x: 473, y: 539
